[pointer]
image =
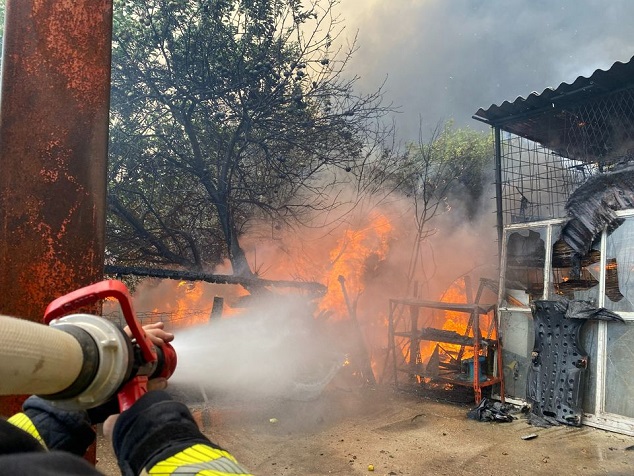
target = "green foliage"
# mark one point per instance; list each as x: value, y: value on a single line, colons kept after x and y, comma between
x: 223, y: 111
x: 452, y: 167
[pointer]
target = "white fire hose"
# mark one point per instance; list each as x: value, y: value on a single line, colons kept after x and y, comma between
x: 77, y: 362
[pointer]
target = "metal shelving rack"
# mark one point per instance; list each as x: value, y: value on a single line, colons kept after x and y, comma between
x: 415, y: 334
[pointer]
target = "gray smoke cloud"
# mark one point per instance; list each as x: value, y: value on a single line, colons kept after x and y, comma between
x: 444, y: 59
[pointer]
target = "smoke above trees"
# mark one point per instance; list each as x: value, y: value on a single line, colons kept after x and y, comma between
x: 443, y: 60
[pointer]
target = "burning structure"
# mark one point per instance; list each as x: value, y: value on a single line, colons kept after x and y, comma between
x: 565, y: 219
x: 448, y: 344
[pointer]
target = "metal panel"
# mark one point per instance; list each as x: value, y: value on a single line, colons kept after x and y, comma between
x: 53, y: 149
x: 619, y: 75
x: 558, y: 366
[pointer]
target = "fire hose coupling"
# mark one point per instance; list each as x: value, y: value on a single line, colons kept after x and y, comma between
x: 107, y: 361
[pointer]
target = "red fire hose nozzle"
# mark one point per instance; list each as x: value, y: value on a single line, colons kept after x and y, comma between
x: 81, y: 361
x: 116, y: 364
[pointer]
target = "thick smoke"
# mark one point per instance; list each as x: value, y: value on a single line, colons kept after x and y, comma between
x: 445, y: 59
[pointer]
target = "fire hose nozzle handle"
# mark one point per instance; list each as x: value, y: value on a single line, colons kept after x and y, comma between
x: 94, y: 293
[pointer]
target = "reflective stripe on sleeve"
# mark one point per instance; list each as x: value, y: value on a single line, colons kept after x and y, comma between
x: 24, y: 423
x: 200, y: 460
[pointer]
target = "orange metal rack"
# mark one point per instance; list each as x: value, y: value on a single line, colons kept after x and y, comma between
x: 411, y: 335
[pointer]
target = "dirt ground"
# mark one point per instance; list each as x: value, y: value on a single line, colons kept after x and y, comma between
x: 365, y: 431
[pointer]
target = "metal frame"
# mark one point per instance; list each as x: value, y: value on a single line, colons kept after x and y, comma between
x: 600, y: 418
x: 416, y: 335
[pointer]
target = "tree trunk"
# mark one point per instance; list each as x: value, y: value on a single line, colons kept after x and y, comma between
x: 236, y: 254
x: 237, y: 257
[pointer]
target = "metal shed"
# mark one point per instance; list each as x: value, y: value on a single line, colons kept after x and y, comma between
x: 564, y: 159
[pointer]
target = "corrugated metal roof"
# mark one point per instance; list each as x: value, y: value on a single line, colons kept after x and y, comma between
x: 535, y: 117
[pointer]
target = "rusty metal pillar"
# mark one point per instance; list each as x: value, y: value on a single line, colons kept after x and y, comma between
x: 53, y: 149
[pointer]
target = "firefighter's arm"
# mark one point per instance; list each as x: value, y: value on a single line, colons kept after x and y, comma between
x: 158, y: 435
x: 21, y: 453
x: 53, y: 428
x: 15, y: 440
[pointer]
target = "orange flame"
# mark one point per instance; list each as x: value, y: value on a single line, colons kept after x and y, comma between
x: 357, y: 251
x: 453, y: 320
x: 450, y: 321
x: 189, y: 299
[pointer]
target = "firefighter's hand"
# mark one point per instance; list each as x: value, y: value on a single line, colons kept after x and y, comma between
x: 108, y: 423
x: 155, y: 332
x: 158, y: 336
x: 108, y: 426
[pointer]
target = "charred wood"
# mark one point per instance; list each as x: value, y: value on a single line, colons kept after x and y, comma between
x: 309, y: 286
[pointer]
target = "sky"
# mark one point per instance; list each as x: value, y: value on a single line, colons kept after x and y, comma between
x: 444, y: 59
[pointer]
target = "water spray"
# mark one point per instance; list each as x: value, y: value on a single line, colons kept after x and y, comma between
x: 81, y: 361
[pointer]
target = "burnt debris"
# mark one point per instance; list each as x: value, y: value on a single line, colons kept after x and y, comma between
x: 592, y: 206
x: 488, y: 410
x: 579, y: 309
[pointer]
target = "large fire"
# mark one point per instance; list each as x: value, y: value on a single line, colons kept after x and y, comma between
x: 344, y: 258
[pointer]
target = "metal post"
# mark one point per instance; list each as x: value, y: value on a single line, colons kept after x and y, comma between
x: 216, y: 309
x: 477, y: 389
x: 498, y: 189
x: 55, y: 96
x: 414, y: 343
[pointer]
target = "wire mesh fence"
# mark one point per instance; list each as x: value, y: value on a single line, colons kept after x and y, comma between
x: 576, y: 141
x: 170, y: 319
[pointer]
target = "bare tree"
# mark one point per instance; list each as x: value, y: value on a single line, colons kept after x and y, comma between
x: 449, y: 169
